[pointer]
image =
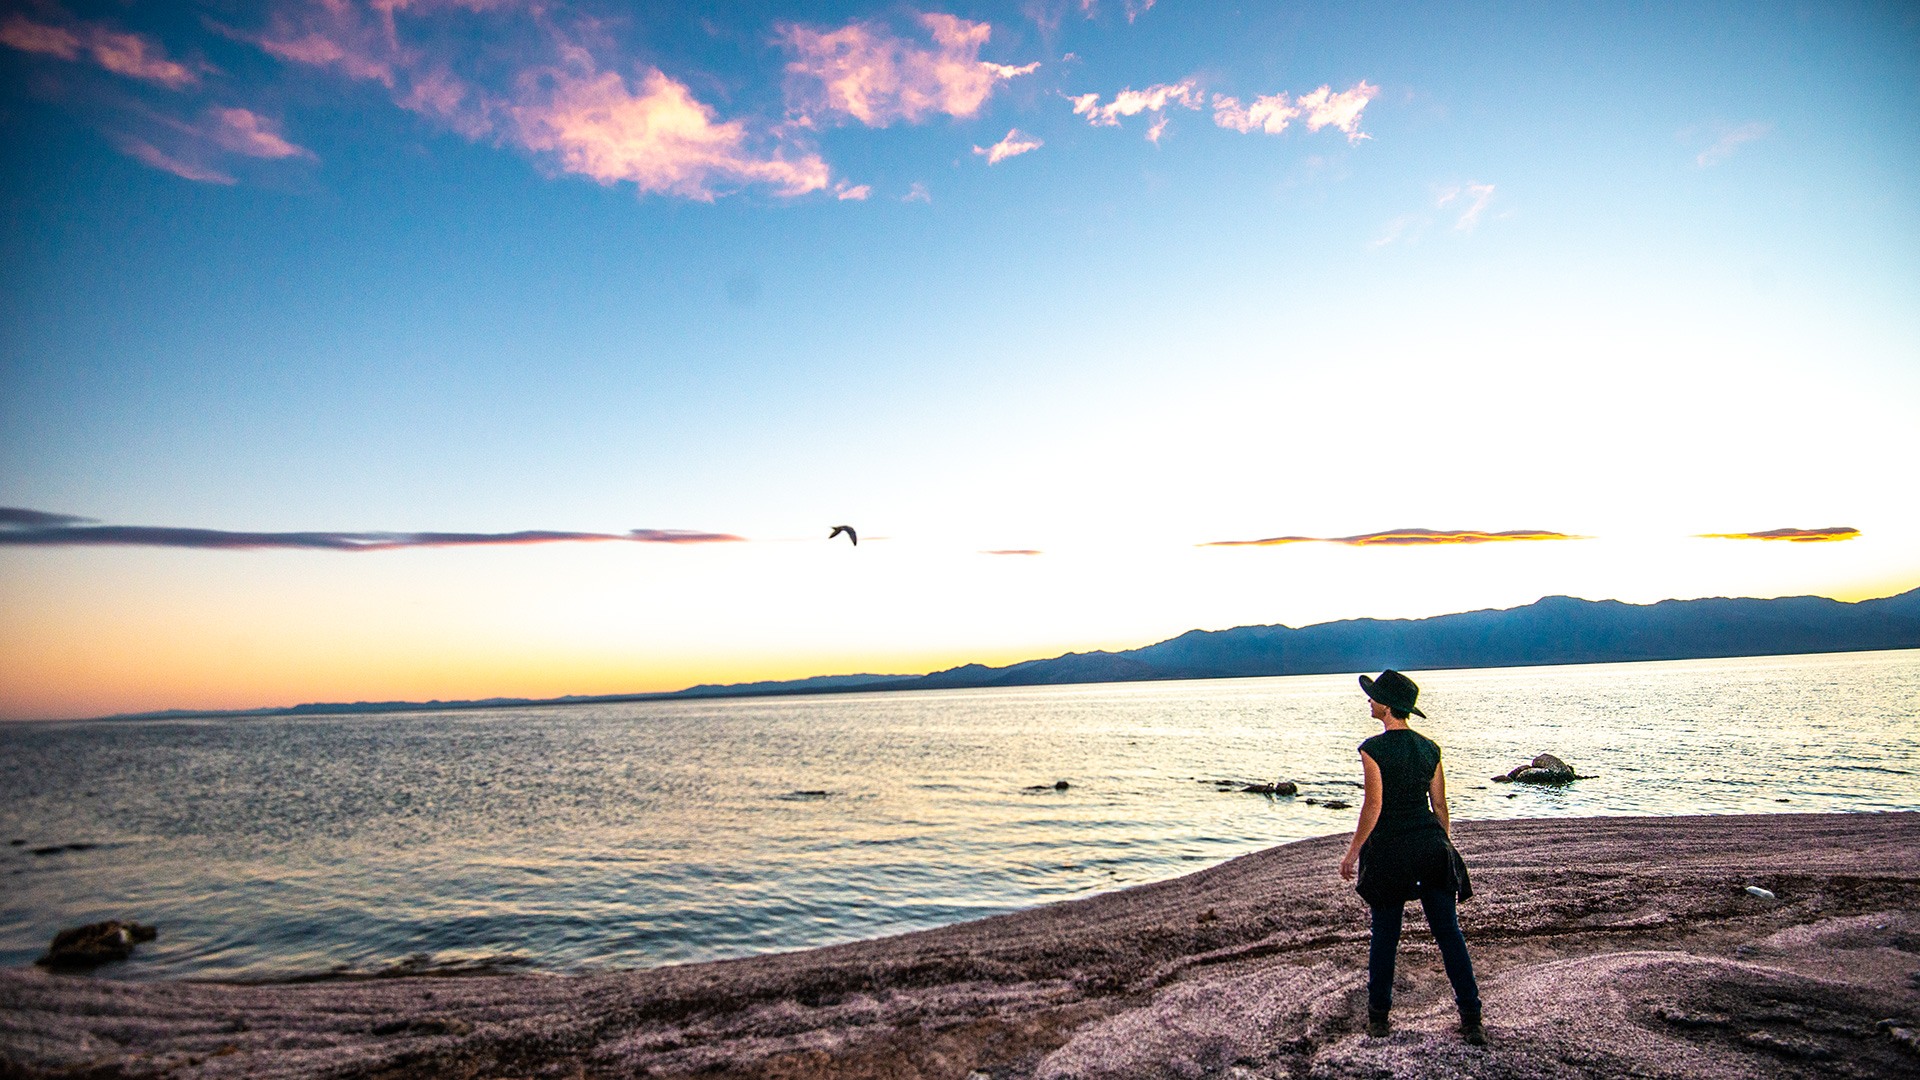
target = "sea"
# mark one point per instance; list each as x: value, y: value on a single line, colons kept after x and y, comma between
x: 590, y: 838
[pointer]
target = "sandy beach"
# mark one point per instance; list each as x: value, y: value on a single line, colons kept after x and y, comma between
x: 1606, y: 947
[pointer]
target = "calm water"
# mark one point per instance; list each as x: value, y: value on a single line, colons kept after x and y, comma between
x: 583, y: 838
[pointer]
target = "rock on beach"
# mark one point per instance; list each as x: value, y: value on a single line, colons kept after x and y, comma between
x: 1605, y: 946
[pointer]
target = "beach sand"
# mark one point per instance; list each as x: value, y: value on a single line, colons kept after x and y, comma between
x: 1606, y: 947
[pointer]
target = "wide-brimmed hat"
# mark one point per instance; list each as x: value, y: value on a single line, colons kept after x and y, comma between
x: 1393, y: 690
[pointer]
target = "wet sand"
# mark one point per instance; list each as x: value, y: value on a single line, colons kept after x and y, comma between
x: 1606, y: 947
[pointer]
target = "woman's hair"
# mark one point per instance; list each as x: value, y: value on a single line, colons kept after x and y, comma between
x: 1398, y: 714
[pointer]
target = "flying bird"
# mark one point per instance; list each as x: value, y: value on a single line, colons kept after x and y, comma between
x: 848, y: 529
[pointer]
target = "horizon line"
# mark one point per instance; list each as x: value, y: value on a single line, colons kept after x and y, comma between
x: 785, y: 687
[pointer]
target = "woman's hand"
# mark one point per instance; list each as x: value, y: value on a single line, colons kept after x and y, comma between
x: 1348, y: 864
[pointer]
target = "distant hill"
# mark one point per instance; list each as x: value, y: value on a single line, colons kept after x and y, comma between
x: 1553, y: 630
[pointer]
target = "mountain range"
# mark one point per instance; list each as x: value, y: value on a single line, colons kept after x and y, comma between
x: 1553, y: 630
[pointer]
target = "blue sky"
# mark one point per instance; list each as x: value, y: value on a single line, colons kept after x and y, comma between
x: 1629, y: 276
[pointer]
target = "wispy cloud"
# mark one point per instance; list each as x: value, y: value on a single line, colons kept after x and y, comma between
x: 243, y: 131
x: 1133, y: 9
x: 865, y: 71
x: 544, y: 87
x: 858, y: 192
x: 1013, y: 551
x: 1465, y: 204
x: 1793, y: 536
x: 1471, y: 199
x: 1727, y: 143
x: 34, y: 528
x: 201, y: 149
x: 1405, y: 538
x: 917, y: 192
x: 1322, y: 108
x: 1131, y: 102
x: 132, y: 55
x: 153, y: 157
x: 1015, y: 144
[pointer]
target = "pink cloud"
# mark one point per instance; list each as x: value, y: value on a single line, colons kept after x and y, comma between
x: 1270, y: 114
x: 1319, y: 109
x: 245, y: 132
x: 148, y: 154
x: 1013, y: 145
x: 858, y: 192
x: 554, y: 98
x: 865, y: 71
x: 661, y: 139
x: 197, y: 150
x: 1324, y: 108
x: 1132, y: 102
x: 122, y: 53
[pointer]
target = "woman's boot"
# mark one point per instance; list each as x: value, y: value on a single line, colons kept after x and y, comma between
x: 1377, y: 1026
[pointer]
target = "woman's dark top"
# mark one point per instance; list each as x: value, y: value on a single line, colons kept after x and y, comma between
x: 1407, y: 848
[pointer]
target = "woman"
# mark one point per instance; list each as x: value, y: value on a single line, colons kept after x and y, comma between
x: 1405, y: 852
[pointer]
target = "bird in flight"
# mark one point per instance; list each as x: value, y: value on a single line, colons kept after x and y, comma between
x: 848, y: 529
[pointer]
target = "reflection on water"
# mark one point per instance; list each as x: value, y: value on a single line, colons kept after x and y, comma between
x: 592, y: 837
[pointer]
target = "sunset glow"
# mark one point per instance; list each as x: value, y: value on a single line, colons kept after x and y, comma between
x: 365, y: 350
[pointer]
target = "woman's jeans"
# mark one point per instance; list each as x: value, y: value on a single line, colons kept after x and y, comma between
x: 1445, y: 922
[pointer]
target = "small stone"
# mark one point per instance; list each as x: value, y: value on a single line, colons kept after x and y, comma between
x: 1208, y: 916
x: 1764, y: 894
x: 1061, y: 785
x: 1336, y: 804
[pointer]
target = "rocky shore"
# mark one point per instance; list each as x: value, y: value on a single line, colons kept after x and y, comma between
x: 1606, y: 947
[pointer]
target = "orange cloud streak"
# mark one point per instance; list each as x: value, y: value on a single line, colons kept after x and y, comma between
x: 1404, y: 538
x: 1013, y: 551
x: 1794, y: 536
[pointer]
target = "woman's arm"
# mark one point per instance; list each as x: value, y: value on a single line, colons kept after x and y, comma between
x: 1369, y: 816
x: 1437, y: 791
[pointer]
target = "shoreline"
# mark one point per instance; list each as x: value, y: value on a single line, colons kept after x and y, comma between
x: 1603, y: 944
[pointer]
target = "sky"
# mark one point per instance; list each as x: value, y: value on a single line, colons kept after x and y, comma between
x: 410, y: 349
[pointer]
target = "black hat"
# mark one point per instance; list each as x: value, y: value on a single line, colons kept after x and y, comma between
x: 1393, y: 690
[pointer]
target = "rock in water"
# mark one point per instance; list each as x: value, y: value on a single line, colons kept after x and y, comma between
x: 94, y: 944
x: 1544, y: 769
x: 1278, y: 787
